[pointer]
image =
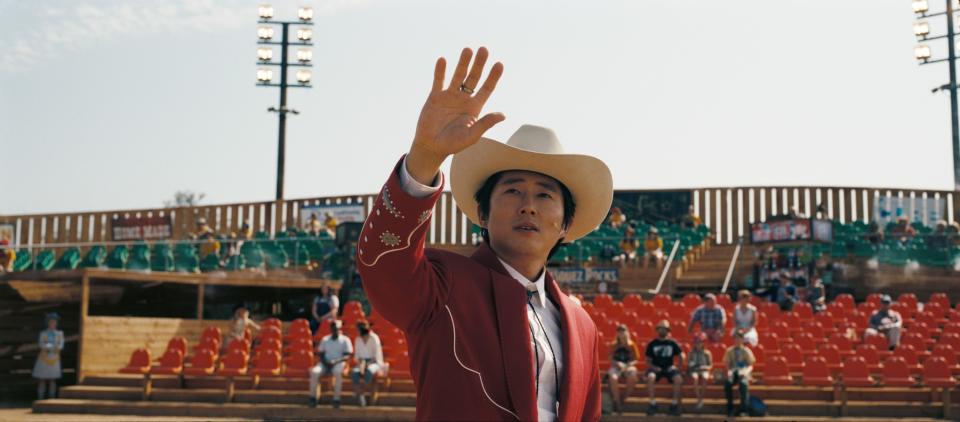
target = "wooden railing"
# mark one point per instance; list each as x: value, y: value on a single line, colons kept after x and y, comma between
x: 727, y: 211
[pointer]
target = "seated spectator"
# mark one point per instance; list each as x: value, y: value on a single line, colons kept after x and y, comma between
x: 787, y: 293
x: 938, y: 239
x: 887, y: 322
x: 623, y: 365
x: 368, y: 357
x: 817, y: 294
x: 313, y: 227
x: 7, y: 256
x: 331, y: 223
x: 953, y: 233
x: 628, y: 246
x: 902, y: 231
x: 208, y: 243
x: 616, y: 218
x: 334, y: 350
x: 874, y: 233
x: 240, y: 323
x: 745, y: 318
x: 238, y: 239
x: 739, y: 360
x: 325, y: 307
x: 691, y: 220
x: 660, y: 355
x: 652, y: 248
x: 710, y: 317
x: 699, y: 365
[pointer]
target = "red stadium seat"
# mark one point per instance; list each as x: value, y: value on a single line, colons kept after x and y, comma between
x: 759, y: 355
x: 879, y: 341
x: 874, y: 299
x: 171, y: 363
x: 771, y: 309
x: 769, y: 341
x: 662, y: 301
x: 827, y: 324
x: 268, y: 364
x: 238, y: 344
x: 910, y: 357
x: 794, y: 356
x: 203, y: 362
x: 846, y: 300
x: 212, y: 332
x: 644, y: 331
x: 679, y: 311
x: 139, y: 362
x: 207, y: 343
x: 803, y: 310
x: 843, y: 343
x: 939, y: 298
x: 831, y: 356
x: 646, y: 311
x: 691, y: 300
x: 776, y: 371
x: 918, y: 341
x: 781, y: 329
x: 949, y: 355
x: 896, y: 373
x: 952, y: 339
x: 806, y: 341
x: 816, y: 373
x: 724, y: 301
x: 936, y: 373
x: 856, y: 373
x: 272, y: 322
x: 178, y: 343
x: 269, y: 333
x: 909, y: 300
x: 234, y: 363
x: 298, y: 364
x: 792, y: 321
x: 602, y: 301
x: 870, y: 356
x: 679, y: 326
x: 632, y: 301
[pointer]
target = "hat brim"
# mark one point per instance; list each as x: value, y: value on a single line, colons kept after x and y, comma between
x: 587, y: 178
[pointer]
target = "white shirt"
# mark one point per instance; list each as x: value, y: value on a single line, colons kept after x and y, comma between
x: 549, y: 336
x: 370, y: 350
x: 335, y: 349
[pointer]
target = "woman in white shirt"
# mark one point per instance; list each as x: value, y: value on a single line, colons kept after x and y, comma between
x: 745, y: 318
x: 368, y: 356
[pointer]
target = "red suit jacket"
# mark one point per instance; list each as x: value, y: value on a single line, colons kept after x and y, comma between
x: 465, y: 320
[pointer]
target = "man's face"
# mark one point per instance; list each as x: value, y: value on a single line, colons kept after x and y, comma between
x: 526, y: 215
x: 710, y: 303
x: 662, y: 332
x: 334, y: 330
x: 738, y: 340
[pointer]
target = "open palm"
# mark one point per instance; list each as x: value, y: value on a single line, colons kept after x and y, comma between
x: 450, y: 119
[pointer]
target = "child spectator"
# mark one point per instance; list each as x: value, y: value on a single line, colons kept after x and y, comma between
x: 699, y: 364
x: 240, y: 324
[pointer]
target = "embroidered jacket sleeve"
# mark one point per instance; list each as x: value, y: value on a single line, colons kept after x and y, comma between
x: 401, y: 283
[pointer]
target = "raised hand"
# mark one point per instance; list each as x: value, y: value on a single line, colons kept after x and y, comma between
x: 450, y: 119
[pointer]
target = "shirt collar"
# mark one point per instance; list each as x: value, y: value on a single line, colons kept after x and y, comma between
x: 524, y: 282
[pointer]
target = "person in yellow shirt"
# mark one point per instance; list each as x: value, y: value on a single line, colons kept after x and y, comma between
x: 628, y: 247
x: 7, y: 256
x: 739, y: 360
x: 331, y: 223
x: 653, y: 248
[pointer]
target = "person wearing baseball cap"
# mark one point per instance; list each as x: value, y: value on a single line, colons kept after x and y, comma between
x: 739, y: 360
x: 886, y: 322
x: 664, y: 356
x: 490, y: 336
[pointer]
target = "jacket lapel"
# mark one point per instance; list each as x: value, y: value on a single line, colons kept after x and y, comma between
x: 510, y: 302
x: 571, y: 402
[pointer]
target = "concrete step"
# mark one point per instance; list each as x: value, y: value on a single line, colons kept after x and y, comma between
x: 216, y: 382
x: 207, y: 395
x: 259, y: 411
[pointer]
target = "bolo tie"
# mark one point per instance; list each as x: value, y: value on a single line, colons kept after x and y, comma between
x: 531, y: 291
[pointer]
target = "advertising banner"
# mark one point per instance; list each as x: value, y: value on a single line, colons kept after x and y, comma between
x: 342, y: 212
x: 142, y: 228
x: 580, y: 275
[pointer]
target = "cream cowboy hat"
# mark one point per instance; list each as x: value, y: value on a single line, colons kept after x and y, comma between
x: 536, y: 149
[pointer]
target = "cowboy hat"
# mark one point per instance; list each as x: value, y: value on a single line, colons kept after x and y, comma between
x: 536, y: 149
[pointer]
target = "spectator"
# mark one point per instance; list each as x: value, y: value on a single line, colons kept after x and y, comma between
x: 314, y: 227
x: 817, y: 294
x: 887, y: 322
x: 369, y: 362
x: 699, y: 365
x: 938, y: 240
x: 207, y: 238
x: 334, y: 350
x: 331, y: 224
x: 787, y: 293
x: 710, y: 317
x: 739, y: 361
x: 953, y: 234
x: 628, y: 246
x: 652, y: 248
x: 623, y: 365
x: 238, y: 239
x: 903, y: 231
x: 660, y: 355
x: 325, y: 307
x: 691, y: 220
x: 240, y: 323
x: 616, y: 218
x: 47, y: 370
x: 745, y: 318
x: 7, y: 256
x: 874, y: 233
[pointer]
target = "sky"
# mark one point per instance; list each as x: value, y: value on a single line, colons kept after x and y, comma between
x: 108, y: 104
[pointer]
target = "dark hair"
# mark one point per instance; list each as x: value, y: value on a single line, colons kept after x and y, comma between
x: 486, y: 190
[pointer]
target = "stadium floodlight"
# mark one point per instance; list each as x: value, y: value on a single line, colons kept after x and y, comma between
x: 265, y: 54
x: 304, y: 34
x: 921, y: 28
x: 305, y: 14
x: 264, y: 75
x: 265, y: 11
x: 303, y: 76
x: 304, y: 55
x: 920, y: 6
x: 922, y: 52
x: 265, y: 32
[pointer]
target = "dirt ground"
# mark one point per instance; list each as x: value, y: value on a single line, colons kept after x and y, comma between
x: 25, y: 414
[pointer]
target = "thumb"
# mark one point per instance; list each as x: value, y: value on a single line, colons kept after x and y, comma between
x: 485, y: 123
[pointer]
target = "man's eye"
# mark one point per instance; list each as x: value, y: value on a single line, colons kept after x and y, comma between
x: 546, y: 195
x: 511, y: 190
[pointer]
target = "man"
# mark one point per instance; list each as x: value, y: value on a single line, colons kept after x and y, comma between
x: 886, y: 322
x: 334, y: 350
x: 710, y: 317
x: 661, y: 353
x: 652, y: 248
x: 739, y: 360
x: 368, y: 356
x: 491, y: 336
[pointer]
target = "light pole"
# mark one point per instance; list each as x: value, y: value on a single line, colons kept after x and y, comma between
x: 921, y: 29
x: 265, y: 75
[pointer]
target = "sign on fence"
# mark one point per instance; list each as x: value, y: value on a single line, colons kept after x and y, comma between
x: 142, y: 228
x: 343, y: 213
x: 581, y: 275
